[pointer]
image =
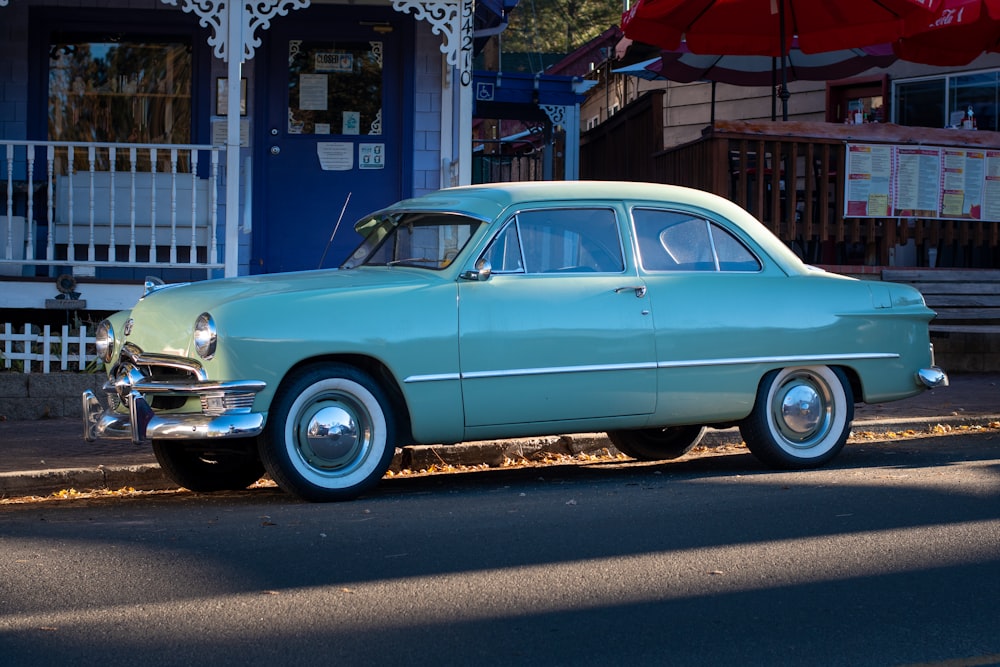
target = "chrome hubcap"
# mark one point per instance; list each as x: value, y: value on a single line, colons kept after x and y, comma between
x: 802, y: 410
x: 332, y: 434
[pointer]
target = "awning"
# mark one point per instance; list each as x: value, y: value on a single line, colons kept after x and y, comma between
x: 520, y: 95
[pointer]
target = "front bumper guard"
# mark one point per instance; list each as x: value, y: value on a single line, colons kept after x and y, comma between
x: 142, y: 423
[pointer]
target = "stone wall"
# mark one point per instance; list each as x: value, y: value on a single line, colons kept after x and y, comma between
x: 45, y: 395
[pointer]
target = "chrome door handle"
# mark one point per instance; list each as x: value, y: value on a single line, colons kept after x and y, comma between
x: 640, y: 290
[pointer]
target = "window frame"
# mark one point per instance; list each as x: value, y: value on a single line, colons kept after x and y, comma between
x: 951, y: 88
x: 711, y: 224
x: 164, y: 23
x: 515, y: 220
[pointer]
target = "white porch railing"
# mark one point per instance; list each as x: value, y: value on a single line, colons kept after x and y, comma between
x: 51, y: 352
x: 92, y: 205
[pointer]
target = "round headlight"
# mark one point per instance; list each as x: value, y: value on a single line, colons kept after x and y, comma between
x: 105, y: 341
x: 205, y: 336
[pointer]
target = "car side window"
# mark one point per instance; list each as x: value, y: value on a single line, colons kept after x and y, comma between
x: 504, y: 253
x: 676, y: 241
x: 577, y: 240
x: 731, y: 253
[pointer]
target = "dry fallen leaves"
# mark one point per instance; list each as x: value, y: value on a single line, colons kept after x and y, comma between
x: 547, y: 458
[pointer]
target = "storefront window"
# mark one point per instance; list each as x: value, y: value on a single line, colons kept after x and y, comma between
x: 119, y: 91
x: 943, y: 101
x: 978, y: 91
x: 920, y: 103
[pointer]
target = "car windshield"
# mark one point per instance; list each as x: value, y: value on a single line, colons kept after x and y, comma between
x: 428, y: 240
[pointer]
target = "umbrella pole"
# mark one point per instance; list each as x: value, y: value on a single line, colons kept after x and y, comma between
x: 714, y: 84
x: 784, y: 74
x: 774, y: 89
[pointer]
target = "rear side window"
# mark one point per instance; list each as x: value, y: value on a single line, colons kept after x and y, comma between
x: 676, y: 241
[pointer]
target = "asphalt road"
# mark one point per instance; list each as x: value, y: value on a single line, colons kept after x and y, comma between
x: 889, y: 557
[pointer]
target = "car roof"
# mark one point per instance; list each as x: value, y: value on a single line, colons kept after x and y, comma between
x: 488, y: 201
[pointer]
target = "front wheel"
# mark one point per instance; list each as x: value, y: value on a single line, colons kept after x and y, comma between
x: 801, y: 418
x: 330, y: 434
x: 204, y: 466
x: 657, y: 444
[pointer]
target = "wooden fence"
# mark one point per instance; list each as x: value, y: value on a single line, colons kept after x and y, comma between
x: 50, y: 352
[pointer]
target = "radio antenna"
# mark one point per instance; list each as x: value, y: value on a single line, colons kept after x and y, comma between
x: 334, y: 233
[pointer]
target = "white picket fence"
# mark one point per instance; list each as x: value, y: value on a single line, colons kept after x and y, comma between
x: 52, y: 352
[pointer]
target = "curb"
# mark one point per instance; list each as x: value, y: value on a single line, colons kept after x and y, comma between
x: 492, y: 454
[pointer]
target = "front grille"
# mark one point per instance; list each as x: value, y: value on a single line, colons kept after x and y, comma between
x: 168, y: 383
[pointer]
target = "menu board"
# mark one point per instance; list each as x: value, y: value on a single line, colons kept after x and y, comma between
x: 945, y: 183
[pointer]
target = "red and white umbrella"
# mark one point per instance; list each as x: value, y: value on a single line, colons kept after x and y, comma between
x: 957, y: 34
x: 685, y: 66
x: 767, y: 27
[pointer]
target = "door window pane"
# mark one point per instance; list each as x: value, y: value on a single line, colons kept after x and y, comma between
x: 334, y: 87
x: 504, y: 254
x: 570, y: 240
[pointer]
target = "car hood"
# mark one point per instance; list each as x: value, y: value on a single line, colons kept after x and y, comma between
x: 209, y: 294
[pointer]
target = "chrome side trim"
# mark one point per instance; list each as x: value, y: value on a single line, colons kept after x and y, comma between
x: 793, y: 359
x: 597, y: 368
x: 435, y: 377
x: 518, y: 372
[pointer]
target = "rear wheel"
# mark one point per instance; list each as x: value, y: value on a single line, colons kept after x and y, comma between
x: 330, y: 434
x: 657, y: 444
x: 801, y: 418
x: 206, y: 465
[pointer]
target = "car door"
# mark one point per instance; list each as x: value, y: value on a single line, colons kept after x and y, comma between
x: 717, y: 311
x: 561, y: 330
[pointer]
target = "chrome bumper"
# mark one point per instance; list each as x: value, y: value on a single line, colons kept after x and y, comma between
x: 142, y: 423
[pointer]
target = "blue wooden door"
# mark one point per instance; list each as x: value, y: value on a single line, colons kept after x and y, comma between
x: 336, y: 123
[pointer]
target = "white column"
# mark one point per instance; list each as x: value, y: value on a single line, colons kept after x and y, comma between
x: 234, y: 40
x: 454, y: 20
x: 234, y: 70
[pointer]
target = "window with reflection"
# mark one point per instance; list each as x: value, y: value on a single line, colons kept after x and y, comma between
x: 676, y: 241
x: 943, y: 101
x: 576, y: 240
x: 126, y: 91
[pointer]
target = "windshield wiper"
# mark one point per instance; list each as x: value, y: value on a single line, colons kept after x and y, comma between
x: 412, y: 259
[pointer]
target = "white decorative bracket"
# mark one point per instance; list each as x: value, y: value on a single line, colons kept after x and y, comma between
x: 255, y: 16
x: 454, y: 22
x: 443, y: 17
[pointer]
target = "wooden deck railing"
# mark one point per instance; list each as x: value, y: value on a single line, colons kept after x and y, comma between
x: 100, y: 206
x: 790, y: 175
x: 791, y: 184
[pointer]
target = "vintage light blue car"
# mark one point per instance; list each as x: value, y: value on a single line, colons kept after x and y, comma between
x: 646, y: 311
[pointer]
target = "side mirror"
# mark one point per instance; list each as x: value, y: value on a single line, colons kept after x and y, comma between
x: 482, y: 272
